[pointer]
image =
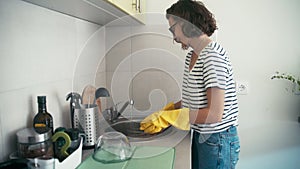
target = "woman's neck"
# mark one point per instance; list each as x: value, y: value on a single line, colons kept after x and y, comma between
x: 199, y: 43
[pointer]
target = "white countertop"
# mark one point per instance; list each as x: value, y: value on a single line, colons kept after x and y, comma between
x: 180, y: 140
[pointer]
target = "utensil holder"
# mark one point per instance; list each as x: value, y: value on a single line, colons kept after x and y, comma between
x: 87, y: 119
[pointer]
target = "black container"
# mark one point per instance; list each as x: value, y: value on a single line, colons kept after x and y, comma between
x: 14, y: 164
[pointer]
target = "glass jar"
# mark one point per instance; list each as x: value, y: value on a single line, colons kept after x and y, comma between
x: 32, y: 144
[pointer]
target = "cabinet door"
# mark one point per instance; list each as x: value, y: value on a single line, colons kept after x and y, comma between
x: 132, y: 7
x: 129, y: 6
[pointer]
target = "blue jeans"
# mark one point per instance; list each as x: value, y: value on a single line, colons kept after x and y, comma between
x: 215, y: 151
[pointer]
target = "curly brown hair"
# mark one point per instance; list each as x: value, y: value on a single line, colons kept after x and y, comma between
x: 194, y: 12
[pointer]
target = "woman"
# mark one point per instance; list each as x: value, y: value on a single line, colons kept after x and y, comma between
x: 208, y: 87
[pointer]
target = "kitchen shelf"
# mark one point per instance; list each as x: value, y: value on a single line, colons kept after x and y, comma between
x: 101, y: 12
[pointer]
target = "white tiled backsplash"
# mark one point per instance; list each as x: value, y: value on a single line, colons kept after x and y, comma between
x: 38, y: 55
x: 144, y: 66
x: 48, y: 53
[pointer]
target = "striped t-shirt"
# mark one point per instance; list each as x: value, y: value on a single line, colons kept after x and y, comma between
x: 212, y: 69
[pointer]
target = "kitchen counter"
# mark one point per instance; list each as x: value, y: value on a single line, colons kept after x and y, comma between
x: 182, y: 149
x: 183, y: 154
x: 150, y: 156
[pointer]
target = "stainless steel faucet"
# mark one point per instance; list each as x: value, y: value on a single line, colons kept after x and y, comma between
x: 114, y: 113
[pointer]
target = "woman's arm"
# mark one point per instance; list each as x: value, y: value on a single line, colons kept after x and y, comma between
x: 177, y: 105
x: 213, y: 113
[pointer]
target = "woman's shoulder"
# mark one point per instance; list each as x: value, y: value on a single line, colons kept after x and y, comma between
x: 215, y: 46
x: 215, y: 49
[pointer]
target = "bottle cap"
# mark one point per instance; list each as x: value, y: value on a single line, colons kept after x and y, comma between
x: 41, y: 99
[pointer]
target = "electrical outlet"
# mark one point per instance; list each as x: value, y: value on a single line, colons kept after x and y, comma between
x: 242, y: 88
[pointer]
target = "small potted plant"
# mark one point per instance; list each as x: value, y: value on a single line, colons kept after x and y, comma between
x: 290, y: 78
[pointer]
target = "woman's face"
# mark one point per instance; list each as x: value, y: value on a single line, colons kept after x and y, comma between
x: 175, y: 29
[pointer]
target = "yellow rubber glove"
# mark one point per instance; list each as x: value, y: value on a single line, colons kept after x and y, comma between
x: 178, y: 118
x: 157, y: 121
x: 153, y: 124
x: 169, y: 106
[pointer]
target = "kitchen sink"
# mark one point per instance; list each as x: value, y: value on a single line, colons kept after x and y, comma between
x: 131, y: 128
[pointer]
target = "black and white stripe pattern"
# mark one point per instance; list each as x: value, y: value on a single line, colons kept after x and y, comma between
x: 212, y: 69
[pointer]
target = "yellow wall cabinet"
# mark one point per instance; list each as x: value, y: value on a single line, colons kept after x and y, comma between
x: 101, y: 12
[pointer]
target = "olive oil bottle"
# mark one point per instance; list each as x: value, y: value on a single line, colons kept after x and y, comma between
x: 43, y: 121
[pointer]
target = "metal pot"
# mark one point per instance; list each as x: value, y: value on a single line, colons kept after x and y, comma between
x: 32, y: 144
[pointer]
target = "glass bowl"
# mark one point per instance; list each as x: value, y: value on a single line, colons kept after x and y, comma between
x: 112, y: 147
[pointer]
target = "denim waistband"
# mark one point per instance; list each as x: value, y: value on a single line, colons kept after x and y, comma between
x: 231, y: 131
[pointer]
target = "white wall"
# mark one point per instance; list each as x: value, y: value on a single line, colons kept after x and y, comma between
x: 262, y: 37
x: 41, y: 52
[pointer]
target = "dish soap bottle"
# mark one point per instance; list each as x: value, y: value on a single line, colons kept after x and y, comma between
x: 43, y: 121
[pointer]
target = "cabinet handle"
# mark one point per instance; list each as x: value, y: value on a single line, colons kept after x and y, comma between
x: 134, y: 4
x: 139, y: 6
